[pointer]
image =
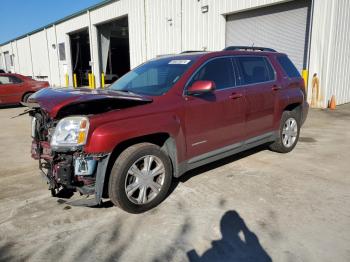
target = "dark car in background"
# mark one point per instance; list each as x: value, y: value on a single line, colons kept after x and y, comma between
x: 15, y: 88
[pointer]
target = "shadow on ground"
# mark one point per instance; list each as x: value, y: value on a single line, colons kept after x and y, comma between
x: 200, y: 170
x: 192, y: 173
x: 238, y: 243
x: 10, y: 106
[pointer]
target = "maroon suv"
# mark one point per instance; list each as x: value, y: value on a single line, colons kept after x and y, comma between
x: 163, y: 118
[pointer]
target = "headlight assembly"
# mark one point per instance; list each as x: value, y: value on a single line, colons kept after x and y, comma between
x: 70, y: 132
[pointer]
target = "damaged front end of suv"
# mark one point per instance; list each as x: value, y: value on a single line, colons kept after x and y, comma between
x: 60, y: 130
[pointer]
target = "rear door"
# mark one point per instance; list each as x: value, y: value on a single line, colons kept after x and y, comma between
x: 216, y: 119
x: 11, y: 89
x: 258, y: 78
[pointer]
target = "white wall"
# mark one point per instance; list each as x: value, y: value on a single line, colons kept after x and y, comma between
x: 40, y: 55
x: 163, y: 27
x: 330, y: 50
x: 52, y: 47
x: 159, y: 27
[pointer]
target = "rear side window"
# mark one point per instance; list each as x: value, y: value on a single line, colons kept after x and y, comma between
x: 6, y: 80
x: 288, y: 67
x: 255, y: 70
x: 219, y: 70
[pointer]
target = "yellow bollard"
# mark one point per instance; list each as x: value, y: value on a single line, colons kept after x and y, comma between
x: 90, y: 80
x: 103, y: 80
x: 93, y: 81
x: 75, y: 80
x: 67, y: 80
x: 305, y: 75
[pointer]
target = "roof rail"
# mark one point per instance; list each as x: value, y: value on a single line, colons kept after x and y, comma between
x: 253, y: 48
x: 192, y: 51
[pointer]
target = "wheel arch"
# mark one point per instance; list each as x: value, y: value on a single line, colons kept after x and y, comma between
x: 26, y: 93
x: 294, y: 107
x: 164, y: 140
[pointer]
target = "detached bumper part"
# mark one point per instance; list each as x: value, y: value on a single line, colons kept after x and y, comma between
x: 99, y: 183
x: 66, y: 171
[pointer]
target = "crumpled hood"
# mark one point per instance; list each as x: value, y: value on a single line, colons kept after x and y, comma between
x: 83, y: 101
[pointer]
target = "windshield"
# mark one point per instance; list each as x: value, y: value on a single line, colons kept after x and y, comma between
x: 153, y: 78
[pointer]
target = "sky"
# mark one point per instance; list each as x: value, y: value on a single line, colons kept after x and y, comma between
x: 18, y: 17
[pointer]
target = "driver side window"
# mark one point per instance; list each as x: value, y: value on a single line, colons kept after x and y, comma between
x: 219, y: 70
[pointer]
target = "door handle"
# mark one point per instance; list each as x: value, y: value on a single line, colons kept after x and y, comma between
x: 236, y: 95
x: 276, y: 88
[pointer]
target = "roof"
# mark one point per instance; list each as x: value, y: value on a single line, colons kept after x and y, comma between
x: 104, y: 2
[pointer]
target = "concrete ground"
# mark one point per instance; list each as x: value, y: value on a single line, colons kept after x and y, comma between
x: 257, y: 206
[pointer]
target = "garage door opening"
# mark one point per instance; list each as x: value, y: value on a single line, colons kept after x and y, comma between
x: 80, y: 51
x: 114, y: 49
x: 283, y: 27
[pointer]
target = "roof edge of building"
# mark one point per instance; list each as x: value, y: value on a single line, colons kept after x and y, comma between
x: 104, y: 2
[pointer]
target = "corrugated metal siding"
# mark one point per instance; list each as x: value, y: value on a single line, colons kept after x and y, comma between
x: 41, y: 65
x: 150, y: 34
x: 6, y: 48
x: 208, y: 29
x: 330, y: 50
x: 135, y: 12
x: 282, y: 27
x: 52, y: 46
x: 24, y: 55
x: 15, y: 67
x: 163, y: 27
x: 62, y: 32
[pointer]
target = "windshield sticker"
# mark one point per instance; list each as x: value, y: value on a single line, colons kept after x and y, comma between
x: 179, y: 62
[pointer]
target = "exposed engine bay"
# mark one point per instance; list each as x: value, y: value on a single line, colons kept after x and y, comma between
x: 59, y: 136
x: 68, y: 170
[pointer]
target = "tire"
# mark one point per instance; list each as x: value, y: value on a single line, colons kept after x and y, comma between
x: 122, y: 178
x: 25, y: 97
x: 285, y: 147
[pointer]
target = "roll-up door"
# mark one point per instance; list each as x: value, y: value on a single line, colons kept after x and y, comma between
x: 283, y: 27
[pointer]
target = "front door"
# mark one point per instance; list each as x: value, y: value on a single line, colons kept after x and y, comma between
x: 216, y: 119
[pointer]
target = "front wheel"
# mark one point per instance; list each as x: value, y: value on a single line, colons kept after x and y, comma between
x: 140, y: 178
x: 288, y: 134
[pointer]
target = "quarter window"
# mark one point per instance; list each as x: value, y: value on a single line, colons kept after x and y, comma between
x: 288, y: 66
x: 6, y: 80
x: 255, y: 70
x: 219, y: 70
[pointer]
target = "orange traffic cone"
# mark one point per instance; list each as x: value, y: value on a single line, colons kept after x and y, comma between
x: 332, y: 104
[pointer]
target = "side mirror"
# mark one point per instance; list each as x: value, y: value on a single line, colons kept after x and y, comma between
x: 201, y: 87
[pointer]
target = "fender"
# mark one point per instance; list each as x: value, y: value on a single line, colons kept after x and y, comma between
x: 289, y: 97
x: 106, y: 137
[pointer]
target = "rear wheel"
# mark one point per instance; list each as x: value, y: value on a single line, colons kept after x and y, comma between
x: 25, y: 97
x: 140, y: 178
x: 288, y: 134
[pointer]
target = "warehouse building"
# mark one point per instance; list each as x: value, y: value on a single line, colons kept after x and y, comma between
x: 108, y: 39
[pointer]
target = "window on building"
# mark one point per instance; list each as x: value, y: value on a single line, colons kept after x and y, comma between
x: 62, y: 51
x: 255, y: 70
x: 219, y: 70
x: 288, y: 67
